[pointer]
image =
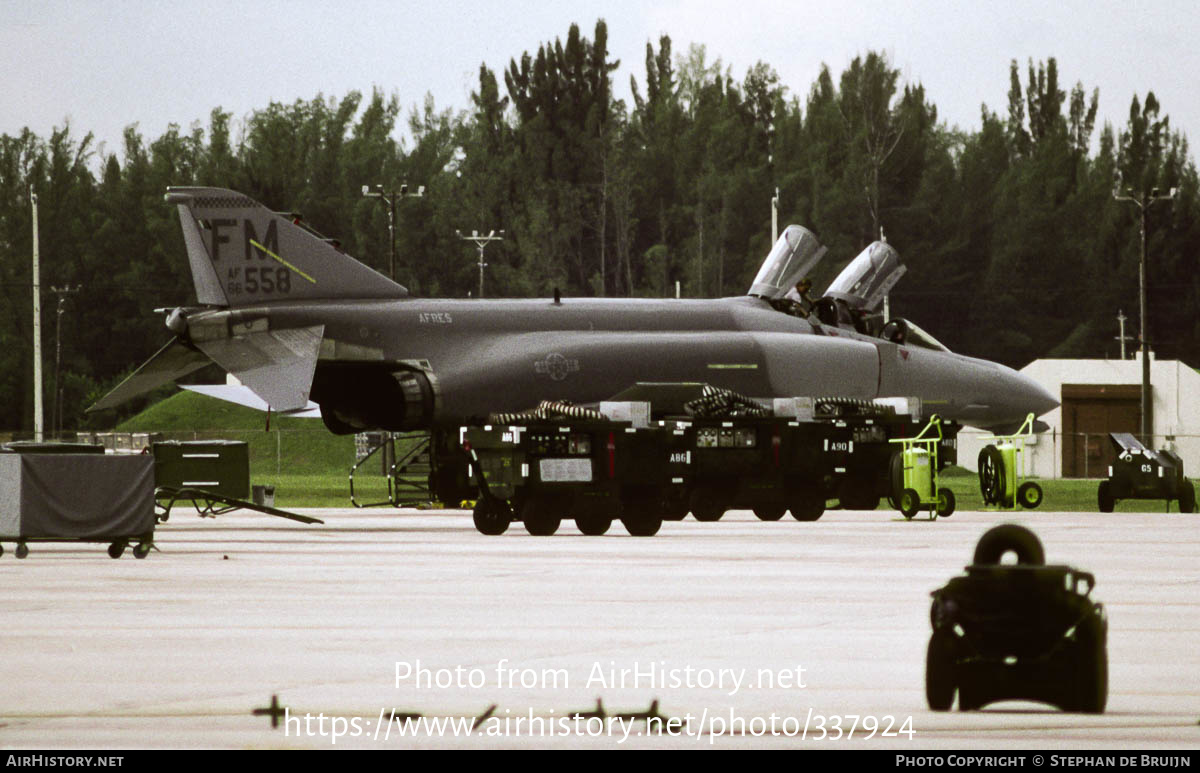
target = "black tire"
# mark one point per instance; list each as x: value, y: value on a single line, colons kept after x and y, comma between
x: 992, y: 481
x: 642, y: 525
x: 1090, y: 668
x: 593, y: 525
x: 22, y: 550
x: 539, y: 517
x: 708, y: 512
x: 910, y: 503
x: 1029, y: 495
x: 1009, y: 537
x: 858, y: 494
x: 116, y: 549
x: 491, y: 516
x: 141, y: 550
x: 1104, y: 497
x: 1187, y: 497
x: 940, y: 683
x: 945, y: 503
x: 771, y: 512
x: 675, y: 512
x: 896, y: 478
x: 807, y: 505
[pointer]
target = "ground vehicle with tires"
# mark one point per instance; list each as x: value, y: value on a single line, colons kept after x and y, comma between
x: 1017, y: 631
x: 1000, y: 471
x: 1140, y: 473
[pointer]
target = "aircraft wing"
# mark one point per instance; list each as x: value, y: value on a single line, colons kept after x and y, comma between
x: 171, y: 362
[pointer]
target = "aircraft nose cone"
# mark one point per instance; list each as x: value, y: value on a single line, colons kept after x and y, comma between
x: 1032, y: 397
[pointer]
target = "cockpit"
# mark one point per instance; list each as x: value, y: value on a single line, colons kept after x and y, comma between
x: 853, y: 301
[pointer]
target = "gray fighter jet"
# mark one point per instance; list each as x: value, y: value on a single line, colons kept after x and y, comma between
x: 295, y: 318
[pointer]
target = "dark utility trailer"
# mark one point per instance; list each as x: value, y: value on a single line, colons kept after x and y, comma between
x: 593, y: 471
x: 214, y: 475
x: 1023, y: 631
x: 1140, y: 473
x: 52, y: 492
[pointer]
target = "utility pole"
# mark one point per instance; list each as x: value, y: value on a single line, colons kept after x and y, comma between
x: 390, y: 198
x: 1144, y: 203
x: 482, y: 241
x: 38, y: 417
x: 56, y: 415
x: 1122, y: 337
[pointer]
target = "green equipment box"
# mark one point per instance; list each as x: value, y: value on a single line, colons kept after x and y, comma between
x: 219, y: 467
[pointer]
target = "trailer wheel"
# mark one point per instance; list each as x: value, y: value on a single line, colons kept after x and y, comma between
x: 1029, y: 495
x: 675, y: 513
x: 593, y: 525
x: 491, y: 516
x: 1187, y: 497
x: 1089, y: 692
x: 539, y: 517
x: 808, y: 505
x: 1105, y: 501
x: 896, y: 479
x: 939, y: 672
x: 1009, y: 538
x: 991, y: 475
x: 945, y: 503
x: 771, y: 512
x: 641, y: 524
x: 141, y: 550
x: 910, y: 503
x: 22, y: 550
x: 117, y: 549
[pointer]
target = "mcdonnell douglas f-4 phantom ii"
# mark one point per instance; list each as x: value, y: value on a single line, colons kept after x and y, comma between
x: 295, y: 319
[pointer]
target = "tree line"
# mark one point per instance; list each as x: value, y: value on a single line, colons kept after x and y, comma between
x: 1016, y: 246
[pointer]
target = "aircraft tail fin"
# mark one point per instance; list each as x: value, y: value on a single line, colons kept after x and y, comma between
x: 242, y: 253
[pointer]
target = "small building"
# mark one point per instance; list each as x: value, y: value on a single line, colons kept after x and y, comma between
x: 1099, y: 397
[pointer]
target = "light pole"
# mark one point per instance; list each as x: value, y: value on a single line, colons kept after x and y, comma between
x: 481, y: 241
x: 1144, y: 203
x: 38, y: 412
x: 56, y: 416
x: 391, y: 197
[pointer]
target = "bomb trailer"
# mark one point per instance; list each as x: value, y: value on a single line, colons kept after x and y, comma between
x: 645, y: 462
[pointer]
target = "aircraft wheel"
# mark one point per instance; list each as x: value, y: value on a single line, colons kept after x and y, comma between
x: 141, y: 550
x: 808, y: 505
x: 117, y: 549
x: 491, y: 516
x: 910, y: 503
x: 945, y: 503
x: 1105, y: 501
x: 939, y: 672
x: 1187, y: 498
x: 991, y: 475
x: 1029, y: 495
x: 593, y: 525
x: 1009, y: 537
x: 22, y: 550
x: 539, y: 517
x: 771, y: 512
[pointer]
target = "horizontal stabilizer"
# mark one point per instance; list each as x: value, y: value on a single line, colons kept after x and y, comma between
x: 171, y: 362
x: 277, y: 365
x: 241, y: 395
